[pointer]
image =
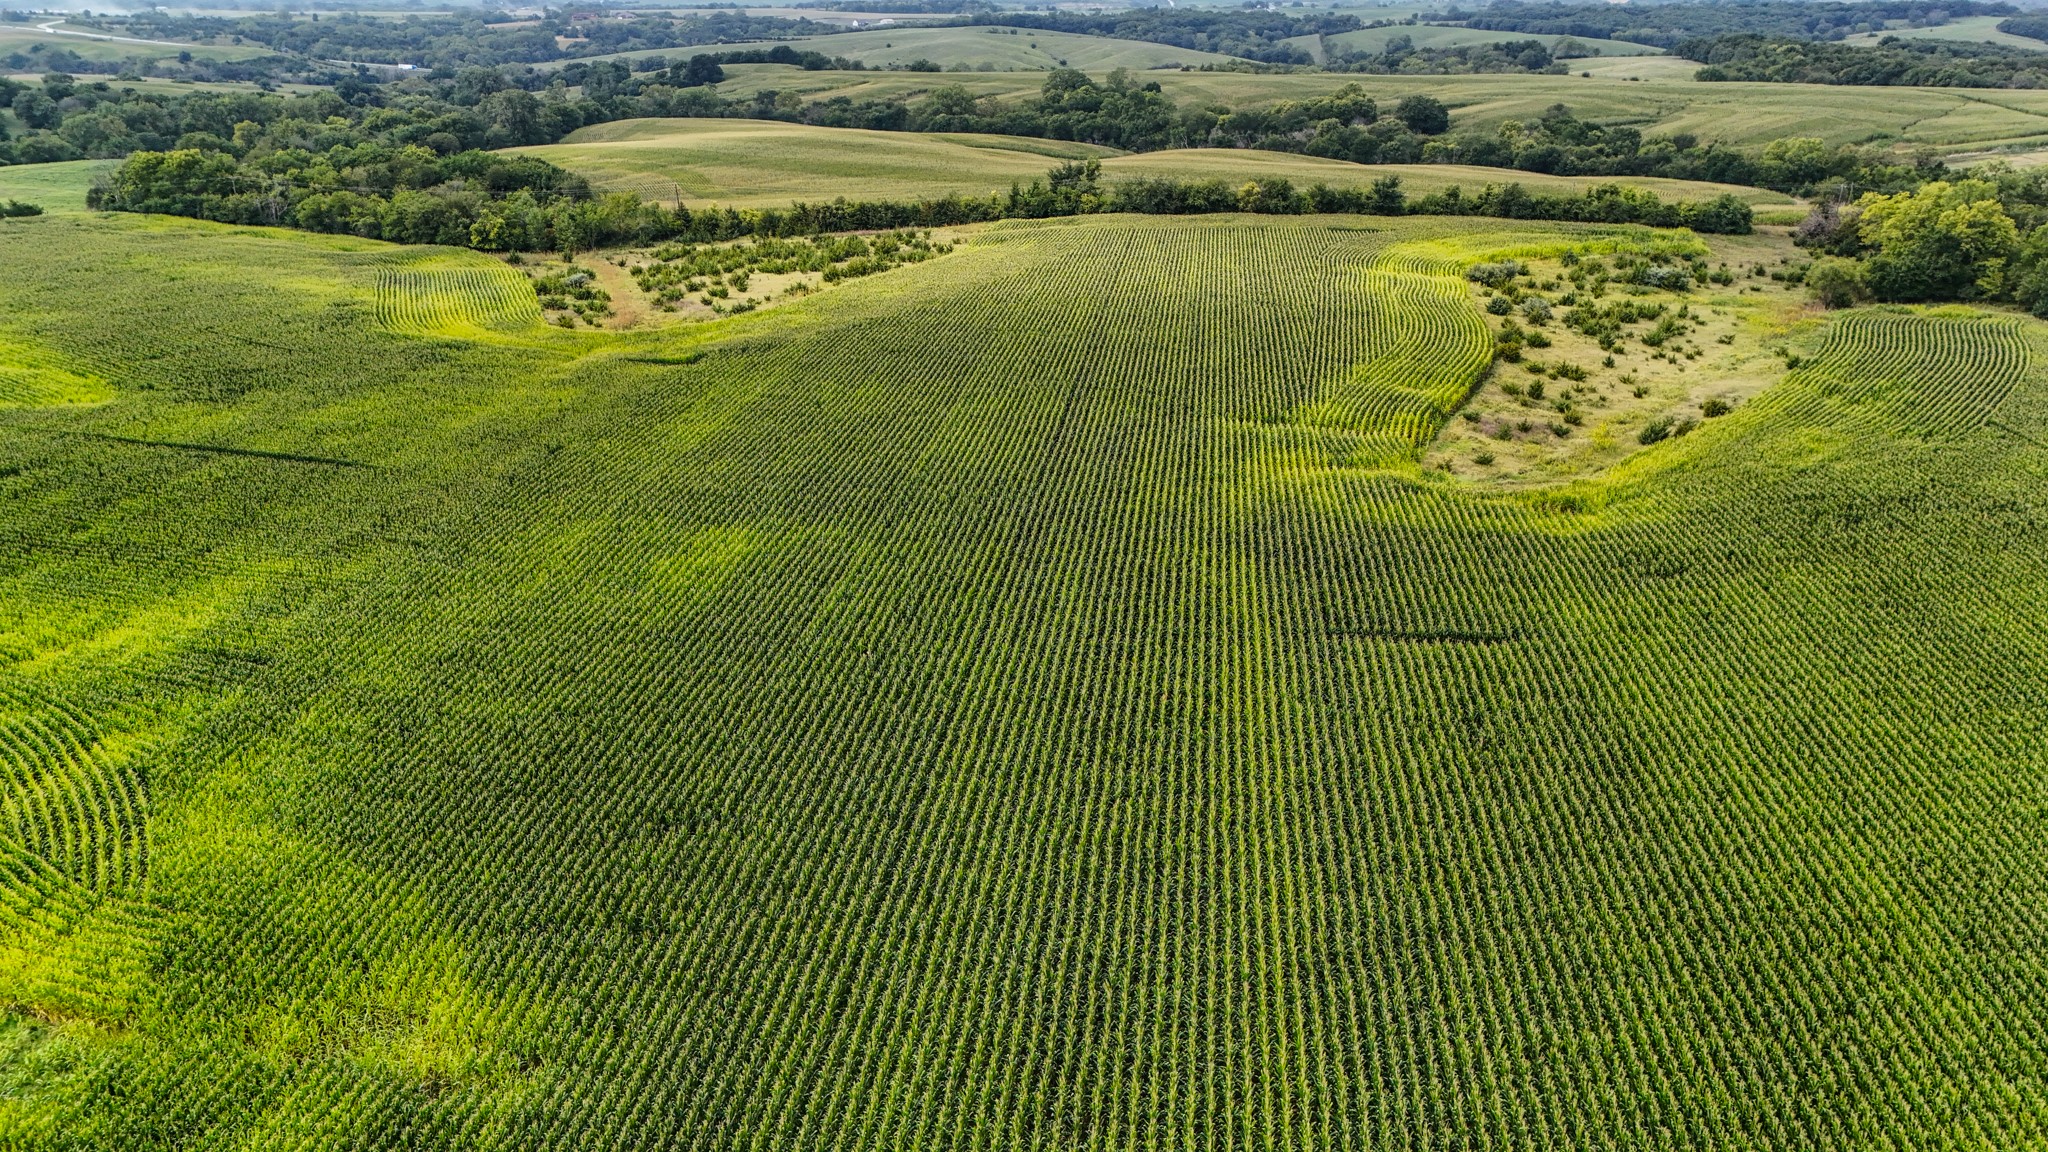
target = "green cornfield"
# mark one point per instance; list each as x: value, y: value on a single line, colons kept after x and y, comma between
x: 1029, y: 699
x: 425, y: 292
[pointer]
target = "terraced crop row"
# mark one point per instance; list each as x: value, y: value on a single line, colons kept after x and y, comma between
x: 1001, y: 707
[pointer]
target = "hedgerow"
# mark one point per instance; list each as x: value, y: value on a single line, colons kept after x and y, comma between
x: 545, y: 213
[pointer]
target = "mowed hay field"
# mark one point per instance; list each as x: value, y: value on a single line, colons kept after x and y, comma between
x: 1661, y: 103
x: 1030, y: 698
x: 755, y: 163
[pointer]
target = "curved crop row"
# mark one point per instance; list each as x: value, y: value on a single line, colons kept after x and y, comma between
x: 1929, y: 375
x: 65, y: 798
x: 454, y: 297
x: 32, y: 377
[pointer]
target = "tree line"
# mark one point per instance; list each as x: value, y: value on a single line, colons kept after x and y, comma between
x: 2032, y: 25
x: 489, y: 39
x: 1669, y: 25
x: 497, y: 203
x: 1400, y: 57
x: 1893, y: 60
x: 1983, y: 238
x: 468, y: 37
x: 1559, y: 143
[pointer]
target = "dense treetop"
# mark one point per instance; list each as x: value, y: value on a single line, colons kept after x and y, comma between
x: 1892, y: 61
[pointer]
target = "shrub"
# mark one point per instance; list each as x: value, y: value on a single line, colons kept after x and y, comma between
x: 1716, y: 407
x: 1836, y: 282
x: 1662, y: 276
x: 1496, y: 274
x: 1655, y: 430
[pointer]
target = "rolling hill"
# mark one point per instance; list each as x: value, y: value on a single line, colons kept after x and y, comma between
x: 753, y: 163
x: 1666, y: 100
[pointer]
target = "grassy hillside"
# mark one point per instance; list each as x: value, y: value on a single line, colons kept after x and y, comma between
x: 993, y: 49
x: 1027, y: 698
x: 57, y: 187
x: 750, y: 163
x: 1662, y: 68
x: 1667, y: 100
x: 758, y: 162
x: 1965, y: 29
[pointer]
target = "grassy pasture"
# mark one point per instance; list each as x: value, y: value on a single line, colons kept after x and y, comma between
x: 1034, y: 693
x: 752, y: 163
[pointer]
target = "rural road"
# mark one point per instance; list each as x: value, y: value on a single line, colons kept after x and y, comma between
x: 51, y: 28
